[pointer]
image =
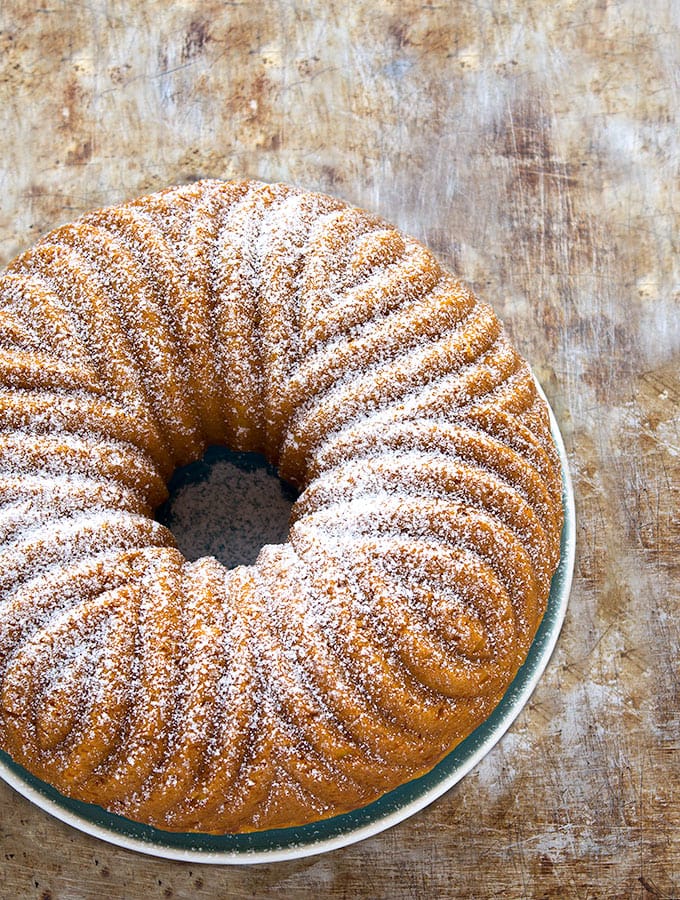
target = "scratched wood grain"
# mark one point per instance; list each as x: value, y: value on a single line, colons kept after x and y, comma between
x: 534, y: 146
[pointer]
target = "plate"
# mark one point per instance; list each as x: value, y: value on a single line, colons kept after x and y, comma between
x: 330, y: 834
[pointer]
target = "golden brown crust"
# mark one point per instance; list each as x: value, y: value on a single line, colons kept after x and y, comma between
x: 346, y: 661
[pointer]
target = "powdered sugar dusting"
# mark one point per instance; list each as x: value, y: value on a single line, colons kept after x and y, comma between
x: 349, y: 657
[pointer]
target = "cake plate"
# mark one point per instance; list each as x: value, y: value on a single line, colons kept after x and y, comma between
x: 330, y: 834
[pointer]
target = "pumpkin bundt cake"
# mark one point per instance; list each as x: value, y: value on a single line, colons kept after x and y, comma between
x: 349, y: 659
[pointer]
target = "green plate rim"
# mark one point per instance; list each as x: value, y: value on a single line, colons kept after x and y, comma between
x: 339, y: 831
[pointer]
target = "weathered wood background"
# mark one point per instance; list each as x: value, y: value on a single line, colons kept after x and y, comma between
x: 534, y: 145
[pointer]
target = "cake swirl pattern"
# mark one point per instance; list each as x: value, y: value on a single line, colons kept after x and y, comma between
x: 342, y: 663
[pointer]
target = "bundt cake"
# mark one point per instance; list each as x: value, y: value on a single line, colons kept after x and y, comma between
x: 349, y: 659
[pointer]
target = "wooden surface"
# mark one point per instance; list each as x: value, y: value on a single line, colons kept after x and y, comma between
x: 534, y: 146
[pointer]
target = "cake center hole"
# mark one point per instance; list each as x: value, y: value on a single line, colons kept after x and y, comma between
x: 227, y: 505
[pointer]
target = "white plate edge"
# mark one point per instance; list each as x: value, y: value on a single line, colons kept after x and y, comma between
x: 326, y: 845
